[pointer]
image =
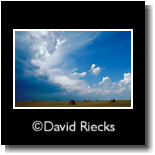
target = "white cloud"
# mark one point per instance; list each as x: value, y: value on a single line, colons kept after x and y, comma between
x: 104, y: 79
x: 48, y: 54
x: 95, y: 70
x: 126, y: 80
x: 37, y: 34
x: 59, y: 43
x: 59, y: 77
x: 119, y: 87
x: 76, y: 74
x: 50, y: 48
x: 68, y: 83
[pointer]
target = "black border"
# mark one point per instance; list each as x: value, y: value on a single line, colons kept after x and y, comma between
x: 130, y: 123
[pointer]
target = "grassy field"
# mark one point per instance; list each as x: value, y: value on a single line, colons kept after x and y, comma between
x: 118, y: 103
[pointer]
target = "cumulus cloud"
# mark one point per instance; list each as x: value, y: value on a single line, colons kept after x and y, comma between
x: 76, y: 74
x: 95, y: 70
x: 49, y: 50
x: 126, y: 80
x: 116, y: 87
x: 68, y: 83
x: 104, y: 79
x: 37, y: 34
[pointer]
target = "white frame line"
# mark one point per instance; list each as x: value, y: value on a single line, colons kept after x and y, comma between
x: 72, y: 30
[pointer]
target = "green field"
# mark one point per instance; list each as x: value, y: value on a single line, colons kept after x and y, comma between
x: 118, y: 103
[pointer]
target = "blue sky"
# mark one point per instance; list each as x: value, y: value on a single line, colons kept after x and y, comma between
x: 64, y: 65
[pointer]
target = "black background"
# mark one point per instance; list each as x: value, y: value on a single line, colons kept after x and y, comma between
x: 17, y: 123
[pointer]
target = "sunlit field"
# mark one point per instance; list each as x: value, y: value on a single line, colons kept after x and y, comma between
x: 118, y: 103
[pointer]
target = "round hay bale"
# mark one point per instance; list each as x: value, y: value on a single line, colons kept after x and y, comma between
x: 72, y: 102
x: 112, y: 100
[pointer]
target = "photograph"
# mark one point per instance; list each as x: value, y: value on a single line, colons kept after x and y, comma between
x: 73, y: 68
x: 74, y: 77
